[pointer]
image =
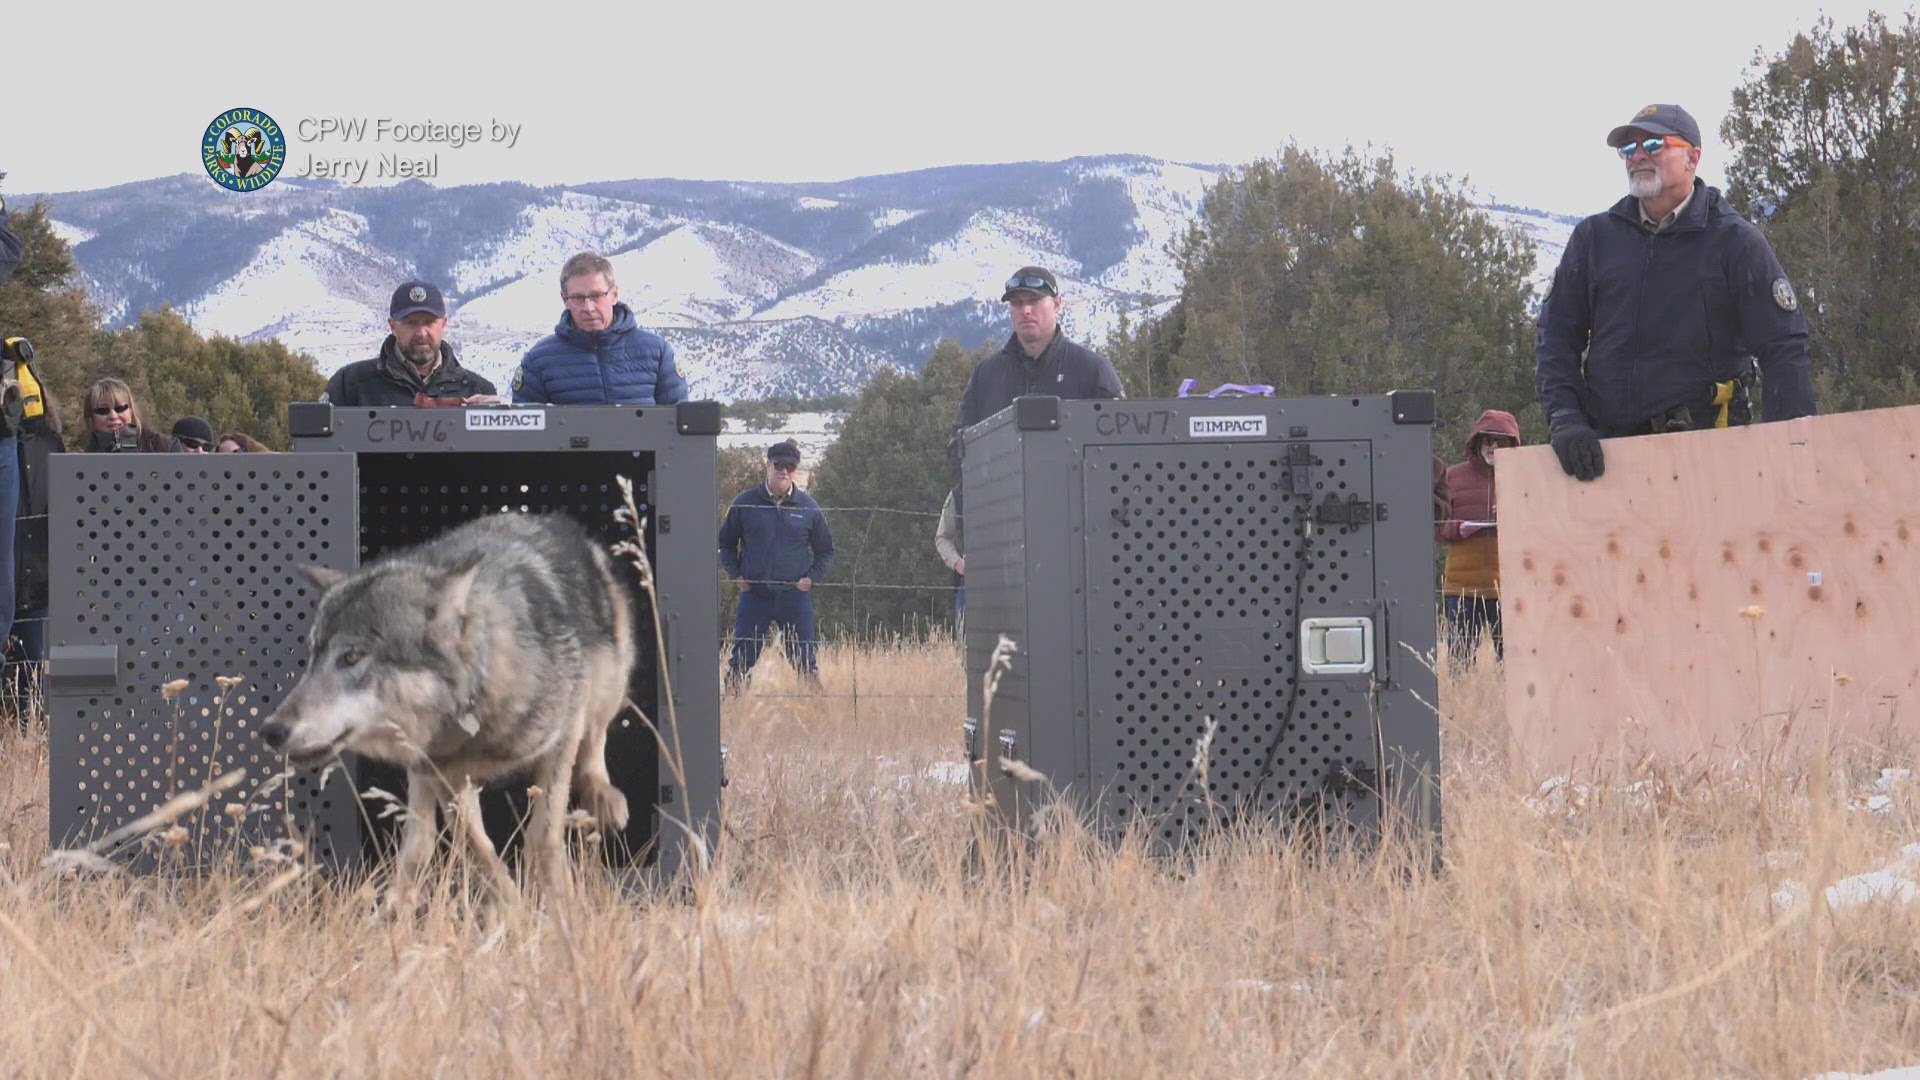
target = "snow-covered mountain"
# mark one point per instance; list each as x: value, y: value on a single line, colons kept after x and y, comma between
x: 799, y: 289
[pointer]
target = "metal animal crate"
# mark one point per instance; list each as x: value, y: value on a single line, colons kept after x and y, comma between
x: 178, y: 566
x: 1198, y: 610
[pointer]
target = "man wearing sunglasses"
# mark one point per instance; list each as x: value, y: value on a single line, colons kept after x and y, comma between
x: 1662, y: 305
x: 192, y: 435
x: 415, y: 361
x: 1037, y: 359
x: 775, y: 544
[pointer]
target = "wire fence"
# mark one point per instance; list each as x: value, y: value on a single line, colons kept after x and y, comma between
x: 21, y: 677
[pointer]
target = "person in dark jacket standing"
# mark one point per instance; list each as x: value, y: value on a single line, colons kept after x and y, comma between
x: 12, y: 250
x: 40, y: 438
x: 1661, y: 306
x: 1470, y: 585
x: 598, y: 354
x: 414, y: 362
x: 775, y: 545
x: 1037, y: 359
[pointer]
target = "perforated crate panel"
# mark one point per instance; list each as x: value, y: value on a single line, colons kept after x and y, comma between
x: 1197, y: 584
x: 406, y: 499
x: 189, y: 567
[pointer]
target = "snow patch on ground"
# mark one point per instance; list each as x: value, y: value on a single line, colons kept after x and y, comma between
x: 74, y: 235
x: 948, y: 772
x: 337, y: 282
x: 1551, y: 237
x: 545, y: 236
x: 813, y: 432
x: 1893, y: 883
x: 970, y: 265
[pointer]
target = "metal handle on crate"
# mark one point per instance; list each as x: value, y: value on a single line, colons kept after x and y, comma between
x: 1008, y: 741
x: 1237, y: 389
x: 83, y: 666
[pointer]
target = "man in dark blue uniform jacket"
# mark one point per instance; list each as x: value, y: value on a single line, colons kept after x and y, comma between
x: 1662, y: 305
x: 775, y: 545
x: 597, y: 354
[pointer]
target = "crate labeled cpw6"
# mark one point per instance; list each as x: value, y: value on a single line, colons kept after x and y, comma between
x: 1189, y: 611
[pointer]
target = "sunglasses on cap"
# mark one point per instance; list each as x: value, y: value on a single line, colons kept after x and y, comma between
x: 1651, y: 147
x: 1031, y: 283
x: 105, y: 410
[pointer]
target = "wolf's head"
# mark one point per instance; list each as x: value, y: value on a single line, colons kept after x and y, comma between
x: 391, y: 666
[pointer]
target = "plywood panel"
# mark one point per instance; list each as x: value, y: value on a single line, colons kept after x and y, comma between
x: 1623, y: 598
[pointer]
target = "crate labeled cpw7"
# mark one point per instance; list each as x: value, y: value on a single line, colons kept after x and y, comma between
x: 1191, y: 611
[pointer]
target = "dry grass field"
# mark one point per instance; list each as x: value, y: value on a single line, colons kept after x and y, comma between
x: 1671, y: 922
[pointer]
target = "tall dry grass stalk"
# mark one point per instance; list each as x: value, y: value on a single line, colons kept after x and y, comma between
x: 1637, y: 926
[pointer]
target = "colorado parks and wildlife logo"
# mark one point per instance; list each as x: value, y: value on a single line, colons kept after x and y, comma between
x: 243, y: 149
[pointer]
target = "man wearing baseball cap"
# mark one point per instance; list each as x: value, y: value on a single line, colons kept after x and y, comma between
x: 1662, y: 305
x: 1037, y: 359
x: 414, y: 361
x: 775, y: 545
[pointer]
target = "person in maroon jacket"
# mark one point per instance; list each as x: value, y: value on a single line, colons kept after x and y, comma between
x: 1470, y: 586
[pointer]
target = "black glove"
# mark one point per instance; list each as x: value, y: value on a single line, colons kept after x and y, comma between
x: 1579, y: 449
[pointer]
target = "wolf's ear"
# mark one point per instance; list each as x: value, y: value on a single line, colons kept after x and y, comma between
x: 456, y: 588
x: 324, y: 577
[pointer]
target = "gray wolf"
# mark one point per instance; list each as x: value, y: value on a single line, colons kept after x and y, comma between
x: 501, y: 647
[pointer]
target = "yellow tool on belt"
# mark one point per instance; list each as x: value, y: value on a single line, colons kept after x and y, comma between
x: 17, y: 378
x: 1722, y: 401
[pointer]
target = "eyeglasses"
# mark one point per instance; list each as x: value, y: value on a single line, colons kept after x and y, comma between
x: 784, y: 466
x: 1030, y: 282
x: 192, y: 443
x: 108, y: 410
x: 579, y: 298
x: 1651, y: 147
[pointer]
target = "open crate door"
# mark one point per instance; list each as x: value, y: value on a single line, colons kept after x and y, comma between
x: 189, y: 567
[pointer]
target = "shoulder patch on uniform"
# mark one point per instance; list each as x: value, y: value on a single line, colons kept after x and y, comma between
x: 519, y: 376
x: 1783, y: 295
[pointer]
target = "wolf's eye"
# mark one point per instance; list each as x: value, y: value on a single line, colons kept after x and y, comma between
x: 350, y: 657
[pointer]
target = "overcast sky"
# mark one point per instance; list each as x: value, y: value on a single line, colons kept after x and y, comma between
x: 1514, y: 96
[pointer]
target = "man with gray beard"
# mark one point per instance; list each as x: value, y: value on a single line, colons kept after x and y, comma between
x: 415, y: 366
x: 1661, y: 307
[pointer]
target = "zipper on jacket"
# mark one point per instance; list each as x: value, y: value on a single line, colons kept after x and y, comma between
x: 1639, y: 321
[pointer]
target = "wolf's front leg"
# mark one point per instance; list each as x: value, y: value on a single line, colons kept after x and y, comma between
x: 467, y: 819
x: 547, y: 833
x: 417, y: 834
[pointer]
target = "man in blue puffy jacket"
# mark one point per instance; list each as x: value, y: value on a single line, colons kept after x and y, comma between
x: 1661, y: 307
x: 775, y: 545
x: 597, y: 355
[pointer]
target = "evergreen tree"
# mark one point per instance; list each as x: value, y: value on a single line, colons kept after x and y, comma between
x: 1825, y: 137
x: 44, y: 303
x: 1338, y: 275
x: 237, y: 386
x: 882, y: 482
x: 171, y: 368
